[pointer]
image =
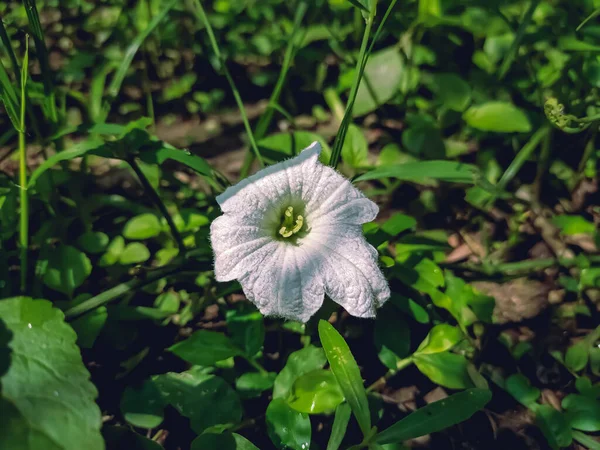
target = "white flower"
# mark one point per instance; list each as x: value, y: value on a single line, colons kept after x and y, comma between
x: 292, y: 233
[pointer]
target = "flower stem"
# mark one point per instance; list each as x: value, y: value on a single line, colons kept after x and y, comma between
x: 24, y: 198
x: 360, y: 68
x: 158, y: 202
x: 197, y: 6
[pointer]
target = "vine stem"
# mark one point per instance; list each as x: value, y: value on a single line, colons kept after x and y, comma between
x: 158, y: 202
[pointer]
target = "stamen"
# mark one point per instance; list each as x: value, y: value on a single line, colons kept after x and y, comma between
x: 289, y: 226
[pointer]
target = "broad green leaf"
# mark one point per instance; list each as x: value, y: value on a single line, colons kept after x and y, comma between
x: 381, y: 80
x: 339, y: 427
x: 113, y: 252
x: 398, y: 223
x: 288, y: 429
x: 410, y: 307
x: 577, y: 356
x: 205, y: 348
x: 355, y: 148
x: 520, y: 388
x: 590, y: 277
x: 67, y: 269
x: 315, y: 392
x: 347, y: 373
x: 47, y: 398
x: 436, y: 416
x: 554, y: 425
x: 422, y: 171
x: 280, y: 146
x: 500, y: 117
x: 225, y: 441
x: 423, y: 138
x: 165, y: 152
x: 143, y: 406
x: 247, y: 328
x: 253, y: 384
x: 391, y: 336
x: 207, y: 400
x: 134, y: 253
x: 93, y: 241
x: 441, y: 338
x: 570, y: 225
x: 446, y: 369
x: 452, y: 91
x: 572, y: 44
x: 582, y: 412
x: 298, y: 363
x: 91, y: 145
x: 144, y: 226
x: 89, y: 326
x: 363, y: 5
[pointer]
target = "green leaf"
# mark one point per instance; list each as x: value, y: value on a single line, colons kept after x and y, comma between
x: 143, y: 406
x: 288, y: 429
x: 446, y: 369
x: 436, y: 416
x: 452, y: 91
x: 441, y: 338
x: 67, y: 269
x: 363, y: 5
x: 47, y: 399
x: 93, y: 241
x: 298, y: 363
x: 420, y: 172
x: 381, y: 80
x: 500, y: 117
x: 113, y: 252
x: 570, y: 225
x: 391, y: 336
x: 339, y: 427
x: 572, y: 44
x: 134, y: 253
x: 280, y: 146
x: 164, y: 152
x: 347, y: 373
x: 410, y: 307
x: 315, y: 392
x: 247, y: 328
x: 554, y: 425
x: 205, y: 348
x: 225, y: 441
x: 577, y: 356
x: 144, y: 226
x: 583, y: 412
x: 91, y: 145
x: 253, y: 384
x: 590, y: 277
x: 89, y: 326
x: 9, y: 98
x: 5, y: 337
x: 355, y: 148
x: 207, y: 400
x: 398, y: 223
x: 520, y: 388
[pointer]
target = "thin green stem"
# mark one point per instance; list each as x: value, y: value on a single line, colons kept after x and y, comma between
x: 521, y: 158
x: 361, y: 63
x: 24, y: 216
x: 380, y: 383
x: 197, y: 7
x: 158, y: 202
x: 256, y: 365
x: 265, y: 121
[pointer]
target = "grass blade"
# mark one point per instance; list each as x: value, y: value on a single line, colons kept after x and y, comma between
x: 346, y: 371
x: 115, y: 85
x: 340, y: 423
x: 452, y: 171
x: 24, y: 210
x: 7, y: 44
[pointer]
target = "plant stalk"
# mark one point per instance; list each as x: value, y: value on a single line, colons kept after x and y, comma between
x: 24, y: 198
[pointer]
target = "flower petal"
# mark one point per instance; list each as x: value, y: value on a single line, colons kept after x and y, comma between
x: 238, y: 248
x: 288, y: 284
x: 349, y: 268
x: 273, y: 186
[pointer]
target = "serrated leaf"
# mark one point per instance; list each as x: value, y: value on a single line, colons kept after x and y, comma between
x: 47, y: 397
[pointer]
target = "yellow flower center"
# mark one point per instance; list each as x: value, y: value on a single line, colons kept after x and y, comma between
x: 290, y: 224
